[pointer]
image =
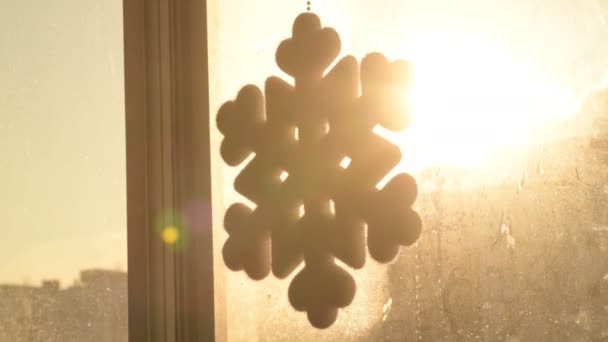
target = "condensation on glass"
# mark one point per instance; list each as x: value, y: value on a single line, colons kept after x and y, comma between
x: 509, y: 144
x: 63, y: 248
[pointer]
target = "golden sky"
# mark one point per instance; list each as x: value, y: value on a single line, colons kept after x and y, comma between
x: 62, y: 150
x: 62, y: 153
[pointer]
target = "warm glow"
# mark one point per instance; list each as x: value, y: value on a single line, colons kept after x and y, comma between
x: 470, y: 98
x: 170, y: 235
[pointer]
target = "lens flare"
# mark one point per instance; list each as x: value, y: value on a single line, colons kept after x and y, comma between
x: 170, y: 235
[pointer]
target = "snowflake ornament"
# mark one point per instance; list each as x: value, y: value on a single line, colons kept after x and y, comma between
x: 316, y: 166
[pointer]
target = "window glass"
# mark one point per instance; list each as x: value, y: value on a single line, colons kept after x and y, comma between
x: 63, y: 235
x: 508, y: 144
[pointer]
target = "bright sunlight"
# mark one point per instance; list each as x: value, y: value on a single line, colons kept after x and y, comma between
x: 470, y: 98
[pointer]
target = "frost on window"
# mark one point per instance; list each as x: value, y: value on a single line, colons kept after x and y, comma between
x: 509, y: 144
x: 63, y: 252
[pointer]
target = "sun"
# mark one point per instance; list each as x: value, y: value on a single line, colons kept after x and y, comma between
x: 470, y: 98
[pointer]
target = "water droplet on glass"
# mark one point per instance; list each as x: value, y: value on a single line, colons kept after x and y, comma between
x: 386, y: 309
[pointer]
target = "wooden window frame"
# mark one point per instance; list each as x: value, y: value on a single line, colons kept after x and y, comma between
x: 174, y: 295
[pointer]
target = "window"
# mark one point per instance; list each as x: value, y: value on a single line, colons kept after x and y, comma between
x: 507, y: 145
x: 63, y: 274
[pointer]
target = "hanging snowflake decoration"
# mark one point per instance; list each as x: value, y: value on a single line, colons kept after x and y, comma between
x: 316, y: 166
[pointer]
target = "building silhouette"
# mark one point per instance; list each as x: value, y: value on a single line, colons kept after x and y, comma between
x: 93, y: 309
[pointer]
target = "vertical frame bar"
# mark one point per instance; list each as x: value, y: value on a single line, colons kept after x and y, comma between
x: 172, y: 290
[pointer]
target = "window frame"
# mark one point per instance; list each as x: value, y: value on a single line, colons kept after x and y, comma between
x: 174, y: 295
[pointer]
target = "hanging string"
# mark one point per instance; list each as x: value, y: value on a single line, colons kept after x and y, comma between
x: 308, y: 6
